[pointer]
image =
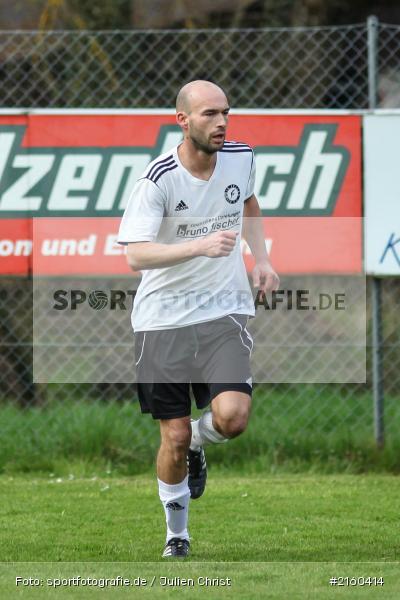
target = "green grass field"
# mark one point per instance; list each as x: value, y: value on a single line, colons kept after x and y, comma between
x: 302, y: 496
x: 289, y: 534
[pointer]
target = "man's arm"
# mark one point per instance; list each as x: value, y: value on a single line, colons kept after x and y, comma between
x: 264, y: 276
x: 141, y: 223
x: 152, y: 255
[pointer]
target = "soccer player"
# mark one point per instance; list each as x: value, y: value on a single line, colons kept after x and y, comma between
x: 182, y: 227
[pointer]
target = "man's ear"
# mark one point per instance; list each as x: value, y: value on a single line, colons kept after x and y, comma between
x: 182, y: 119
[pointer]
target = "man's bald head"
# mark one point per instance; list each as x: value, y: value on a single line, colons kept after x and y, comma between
x: 202, y: 113
x: 198, y: 92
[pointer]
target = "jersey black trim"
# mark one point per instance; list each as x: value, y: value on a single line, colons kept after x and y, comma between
x: 230, y: 143
x: 169, y: 168
x: 144, y: 177
x: 161, y: 167
x: 158, y: 164
x: 236, y: 150
x: 235, y: 147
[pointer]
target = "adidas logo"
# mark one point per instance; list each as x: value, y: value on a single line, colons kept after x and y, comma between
x: 181, y: 206
x: 174, y: 505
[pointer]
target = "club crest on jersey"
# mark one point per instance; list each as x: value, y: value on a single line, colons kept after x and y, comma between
x: 232, y: 193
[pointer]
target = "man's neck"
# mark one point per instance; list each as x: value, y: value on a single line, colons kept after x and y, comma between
x: 198, y: 163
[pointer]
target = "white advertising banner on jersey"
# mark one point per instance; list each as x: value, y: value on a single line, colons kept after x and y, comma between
x: 382, y: 193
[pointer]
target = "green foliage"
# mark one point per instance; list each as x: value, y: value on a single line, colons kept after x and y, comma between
x: 293, y: 430
x: 108, y: 14
x: 120, y: 14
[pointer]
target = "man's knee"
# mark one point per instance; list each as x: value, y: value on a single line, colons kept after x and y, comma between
x: 232, y: 426
x: 231, y: 413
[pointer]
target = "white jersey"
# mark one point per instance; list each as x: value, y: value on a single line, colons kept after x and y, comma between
x: 168, y: 205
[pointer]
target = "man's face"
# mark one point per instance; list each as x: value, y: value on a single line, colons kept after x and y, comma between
x: 207, y: 122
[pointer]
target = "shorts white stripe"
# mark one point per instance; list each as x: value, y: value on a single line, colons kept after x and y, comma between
x: 240, y: 333
x: 141, y: 353
x: 249, y: 337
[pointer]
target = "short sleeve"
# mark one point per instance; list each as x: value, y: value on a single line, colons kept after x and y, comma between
x: 252, y: 178
x: 143, y: 215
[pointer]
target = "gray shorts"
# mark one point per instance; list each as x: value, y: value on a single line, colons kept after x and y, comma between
x: 208, y: 357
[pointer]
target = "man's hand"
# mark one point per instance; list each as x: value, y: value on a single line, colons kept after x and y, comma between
x: 217, y: 244
x: 264, y: 277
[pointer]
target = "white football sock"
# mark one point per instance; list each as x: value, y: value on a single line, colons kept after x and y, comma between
x: 175, y: 500
x: 203, y: 432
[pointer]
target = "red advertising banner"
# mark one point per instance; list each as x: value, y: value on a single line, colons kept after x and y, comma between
x: 65, y: 180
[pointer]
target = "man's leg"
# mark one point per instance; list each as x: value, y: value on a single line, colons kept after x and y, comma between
x: 228, y: 418
x: 173, y: 480
x: 225, y: 378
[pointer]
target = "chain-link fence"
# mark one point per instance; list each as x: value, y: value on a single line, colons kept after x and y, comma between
x: 286, y: 409
x: 317, y: 67
x: 327, y: 67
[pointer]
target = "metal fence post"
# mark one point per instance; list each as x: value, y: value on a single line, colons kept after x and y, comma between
x: 377, y: 370
x: 372, y: 29
x: 377, y: 367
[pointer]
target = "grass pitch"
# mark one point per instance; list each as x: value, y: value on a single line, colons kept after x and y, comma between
x: 294, y: 531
